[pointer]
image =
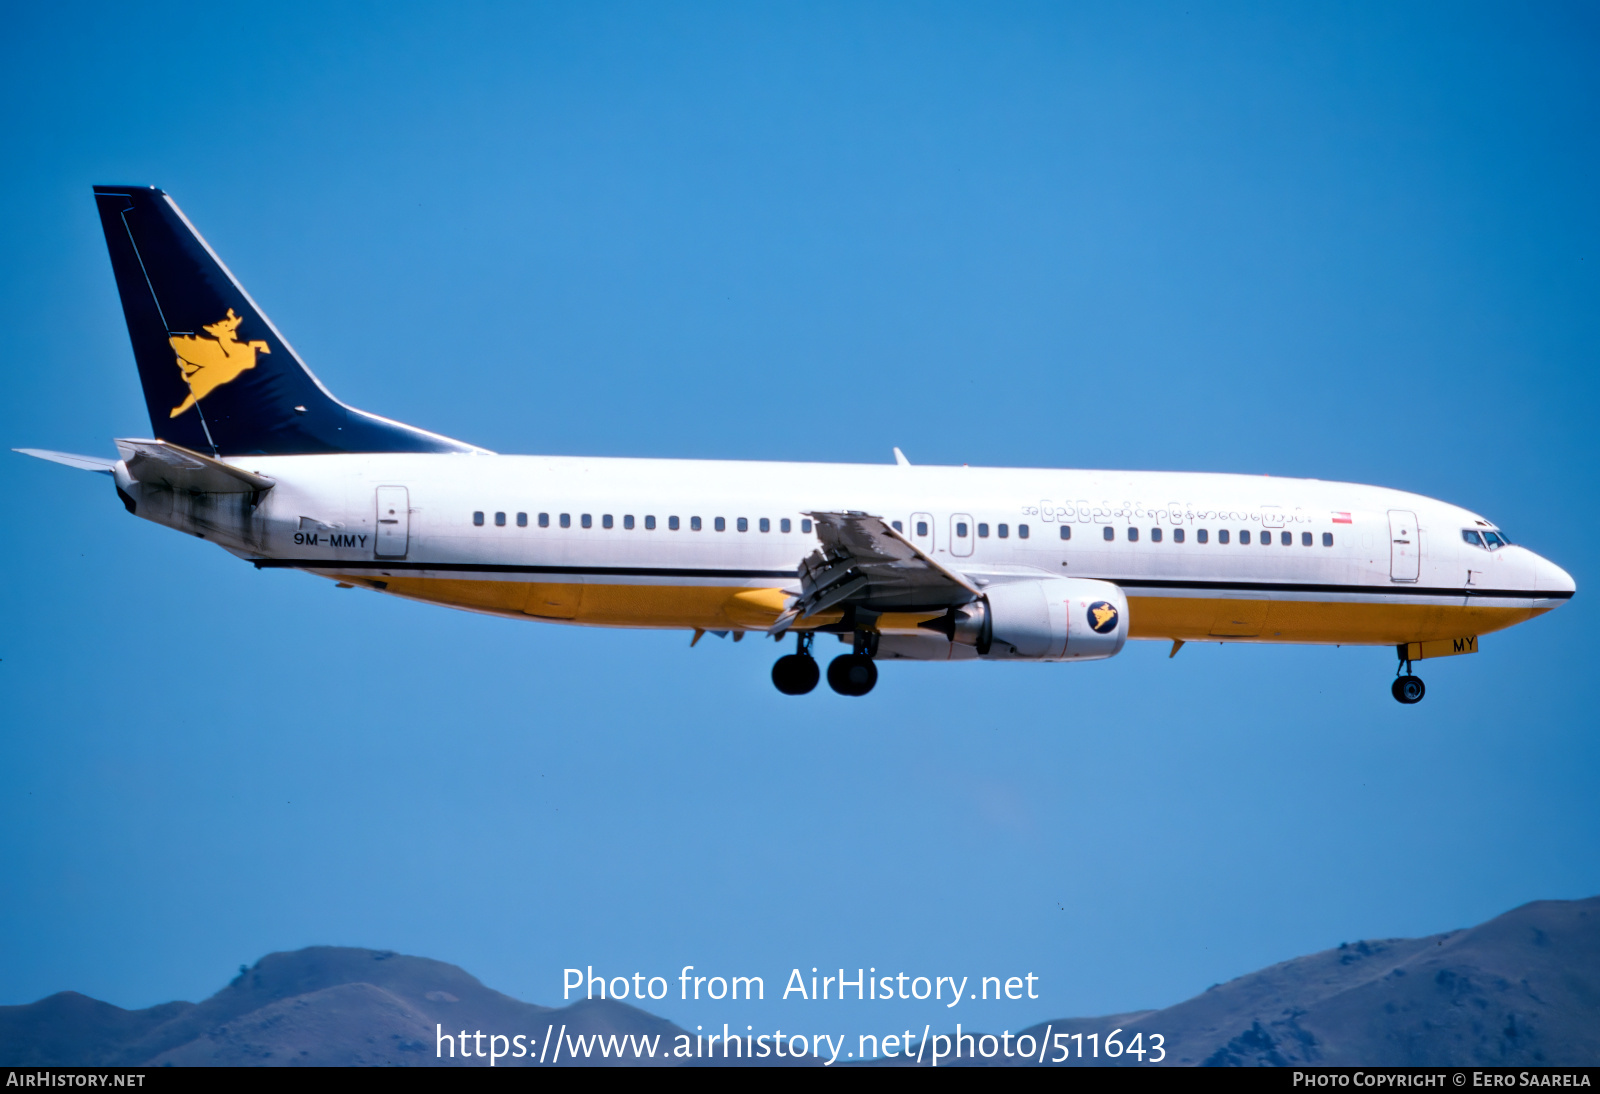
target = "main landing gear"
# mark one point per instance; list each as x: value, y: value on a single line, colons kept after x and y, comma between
x: 852, y: 673
x: 1407, y: 689
x: 797, y: 673
x: 855, y: 673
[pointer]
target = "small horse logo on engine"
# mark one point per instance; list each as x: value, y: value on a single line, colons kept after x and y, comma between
x: 1102, y: 617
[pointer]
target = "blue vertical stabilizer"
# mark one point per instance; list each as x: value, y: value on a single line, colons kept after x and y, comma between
x: 217, y: 375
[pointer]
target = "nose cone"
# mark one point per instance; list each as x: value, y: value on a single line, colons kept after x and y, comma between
x: 1551, y: 581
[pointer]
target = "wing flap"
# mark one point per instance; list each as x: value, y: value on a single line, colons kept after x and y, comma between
x: 863, y: 561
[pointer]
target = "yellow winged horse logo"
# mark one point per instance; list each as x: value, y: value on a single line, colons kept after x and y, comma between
x: 208, y: 363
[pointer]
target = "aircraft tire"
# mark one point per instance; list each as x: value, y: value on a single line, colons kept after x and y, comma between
x: 852, y: 674
x: 1408, y: 689
x: 795, y: 674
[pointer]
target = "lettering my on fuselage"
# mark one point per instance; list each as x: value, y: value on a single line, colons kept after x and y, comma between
x: 333, y: 539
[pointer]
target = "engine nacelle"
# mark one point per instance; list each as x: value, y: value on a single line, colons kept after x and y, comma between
x: 1050, y: 619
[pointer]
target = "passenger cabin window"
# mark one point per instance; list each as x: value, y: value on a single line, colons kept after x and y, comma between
x: 720, y: 524
x: 499, y: 520
x: 1327, y: 539
x: 805, y: 524
x: 587, y: 520
x: 1287, y: 539
x: 522, y: 520
x: 784, y: 525
x: 1133, y: 535
x: 1022, y: 531
x: 544, y: 520
x: 1155, y: 535
x: 766, y: 525
x: 649, y: 524
x: 627, y: 522
x: 961, y: 529
x: 566, y: 520
x: 1003, y: 531
x: 1222, y: 536
x: 477, y: 518
x: 742, y: 524
x: 1177, y: 535
x: 605, y: 521
x: 1244, y: 537
x: 1110, y: 533
x: 922, y: 527
x: 983, y: 531
x: 1066, y: 531
x: 1305, y: 539
x: 672, y: 524
x: 1201, y: 535
x: 694, y: 524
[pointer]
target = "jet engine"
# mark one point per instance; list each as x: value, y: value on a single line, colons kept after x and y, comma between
x: 1049, y: 619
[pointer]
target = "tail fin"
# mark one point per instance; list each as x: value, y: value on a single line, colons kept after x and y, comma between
x: 217, y: 375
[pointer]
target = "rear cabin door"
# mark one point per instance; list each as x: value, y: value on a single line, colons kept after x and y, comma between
x: 1405, y: 546
x: 394, y: 522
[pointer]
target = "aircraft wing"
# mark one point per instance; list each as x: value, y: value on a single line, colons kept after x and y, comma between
x: 865, y: 562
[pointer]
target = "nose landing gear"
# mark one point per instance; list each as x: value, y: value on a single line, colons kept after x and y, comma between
x: 1407, y: 689
x: 797, y: 673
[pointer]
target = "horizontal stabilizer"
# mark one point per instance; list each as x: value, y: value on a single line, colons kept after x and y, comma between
x: 157, y: 463
x: 82, y: 463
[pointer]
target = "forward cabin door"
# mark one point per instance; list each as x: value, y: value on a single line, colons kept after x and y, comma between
x: 1405, y: 546
x: 394, y: 522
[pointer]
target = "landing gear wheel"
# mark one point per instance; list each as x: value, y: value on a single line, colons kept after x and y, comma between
x: 852, y: 674
x: 1408, y: 689
x: 796, y: 674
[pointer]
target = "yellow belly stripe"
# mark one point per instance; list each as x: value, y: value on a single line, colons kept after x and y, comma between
x: 676, y: 607
x: 1192, y: 619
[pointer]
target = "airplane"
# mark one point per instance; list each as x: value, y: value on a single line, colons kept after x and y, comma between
x: 898, y: 561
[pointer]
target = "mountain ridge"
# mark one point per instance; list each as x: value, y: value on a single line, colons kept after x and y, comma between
x: 1522, y: 989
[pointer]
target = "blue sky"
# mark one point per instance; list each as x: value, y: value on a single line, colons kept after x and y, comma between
x: 1340, y: 241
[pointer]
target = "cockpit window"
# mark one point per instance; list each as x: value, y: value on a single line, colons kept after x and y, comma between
x: 1488, y: 540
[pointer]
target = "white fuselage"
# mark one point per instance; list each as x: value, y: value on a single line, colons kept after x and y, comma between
x: 672, y: 543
